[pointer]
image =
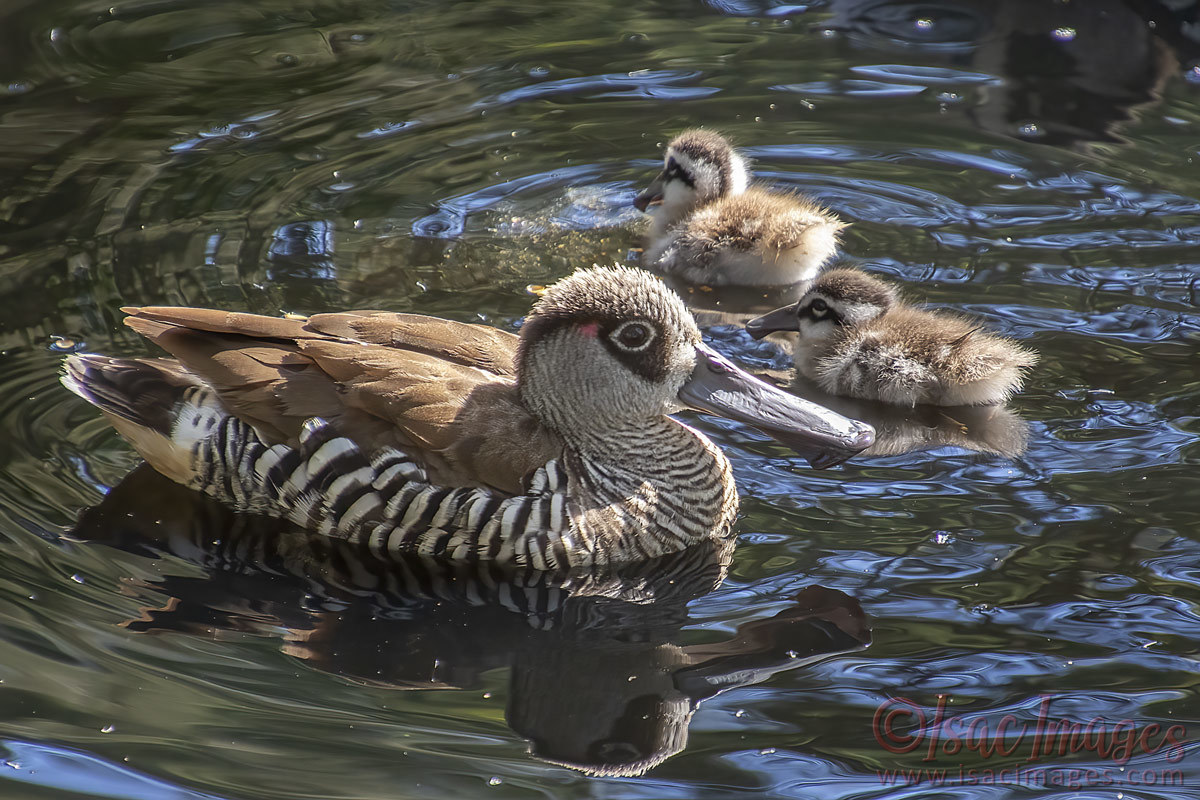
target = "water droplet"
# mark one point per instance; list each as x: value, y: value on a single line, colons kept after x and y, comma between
x: 949, y: 97
x: 487, y: 695
x: 741, y: 712
x: 924, y: 24
x: 1192, y: 73
x: 57, y: 35
x: 943, y: 537
x: 77, y: 578
x: 792, y: 654
x: 1030, y: 130
x: 539, y: 71
x: 1064, y: 34
x: 66, y: 344
x: 495, y: 780
x: 108, y: 729
x: 767, y: 751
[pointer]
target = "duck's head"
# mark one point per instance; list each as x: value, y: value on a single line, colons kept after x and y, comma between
x: 699, y: 167
x: 837, y: 299
x: 609, y: 349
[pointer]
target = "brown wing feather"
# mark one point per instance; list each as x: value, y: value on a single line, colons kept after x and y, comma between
x: 462, y: 343
x: 443, y: 391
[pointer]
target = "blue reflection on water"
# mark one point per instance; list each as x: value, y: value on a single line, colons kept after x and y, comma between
x: 76, y: 771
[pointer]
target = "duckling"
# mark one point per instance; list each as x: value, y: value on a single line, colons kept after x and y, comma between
x: 714, y: 229
x: 408, y: 433
x: 858, y: 339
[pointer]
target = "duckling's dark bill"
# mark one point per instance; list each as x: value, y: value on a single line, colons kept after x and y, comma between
x: 781, y: 319
x: 650, y: 195
x: 822, y: 436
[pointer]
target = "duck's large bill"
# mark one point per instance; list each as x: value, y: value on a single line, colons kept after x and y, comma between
x: 822, y: 436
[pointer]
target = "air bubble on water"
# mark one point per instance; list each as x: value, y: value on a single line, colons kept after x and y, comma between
x: 1031, y: 130
x: 66, y: 344
x: 924, y: 24
x: 108, y: 729
x: 77, y: 578
x: 1192, y: 73
x: 495, y: 780
x: 767, y: 751
x: 1064, y: 34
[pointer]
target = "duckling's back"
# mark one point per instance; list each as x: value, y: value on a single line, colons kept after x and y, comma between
x: 755, y: 238
x: 909, y: 356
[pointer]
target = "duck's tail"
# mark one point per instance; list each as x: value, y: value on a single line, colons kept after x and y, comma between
x: 163, y: 410
x: 179, y: 425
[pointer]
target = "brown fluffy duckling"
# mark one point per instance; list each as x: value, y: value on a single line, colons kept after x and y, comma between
x: 858, y: 339
x: 714, y: 228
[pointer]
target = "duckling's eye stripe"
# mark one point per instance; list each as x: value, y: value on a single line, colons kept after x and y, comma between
x: 675, y: 172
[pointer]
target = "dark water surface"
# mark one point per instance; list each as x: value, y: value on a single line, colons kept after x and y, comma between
x: 1029, y: 161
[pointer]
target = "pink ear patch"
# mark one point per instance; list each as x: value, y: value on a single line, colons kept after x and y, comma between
x: 590, y: 329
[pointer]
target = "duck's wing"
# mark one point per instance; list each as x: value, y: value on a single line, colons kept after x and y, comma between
x: 440, y: 390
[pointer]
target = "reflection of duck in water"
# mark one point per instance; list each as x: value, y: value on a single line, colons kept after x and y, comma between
x: 714, y: 229
x: 597, y: 682
x: 858, y: 339
x: 559, y: 441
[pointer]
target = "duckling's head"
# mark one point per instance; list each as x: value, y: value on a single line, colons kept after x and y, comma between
x: 837, y: 299
x: 699, y: 167
x: 609, y: 349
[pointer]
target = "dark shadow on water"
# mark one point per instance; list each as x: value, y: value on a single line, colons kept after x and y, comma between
x: 1069, y: 72
x: 597, y: 680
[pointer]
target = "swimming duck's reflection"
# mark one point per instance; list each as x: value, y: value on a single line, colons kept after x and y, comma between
x: 597, y: 680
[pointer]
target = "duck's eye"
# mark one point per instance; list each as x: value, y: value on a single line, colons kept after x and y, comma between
x: 633, y: 336
x: 818, y: 306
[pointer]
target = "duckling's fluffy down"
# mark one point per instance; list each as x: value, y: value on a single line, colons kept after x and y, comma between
x: 911, y: 356
x: 773, y: 238
x: 758, y: 219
